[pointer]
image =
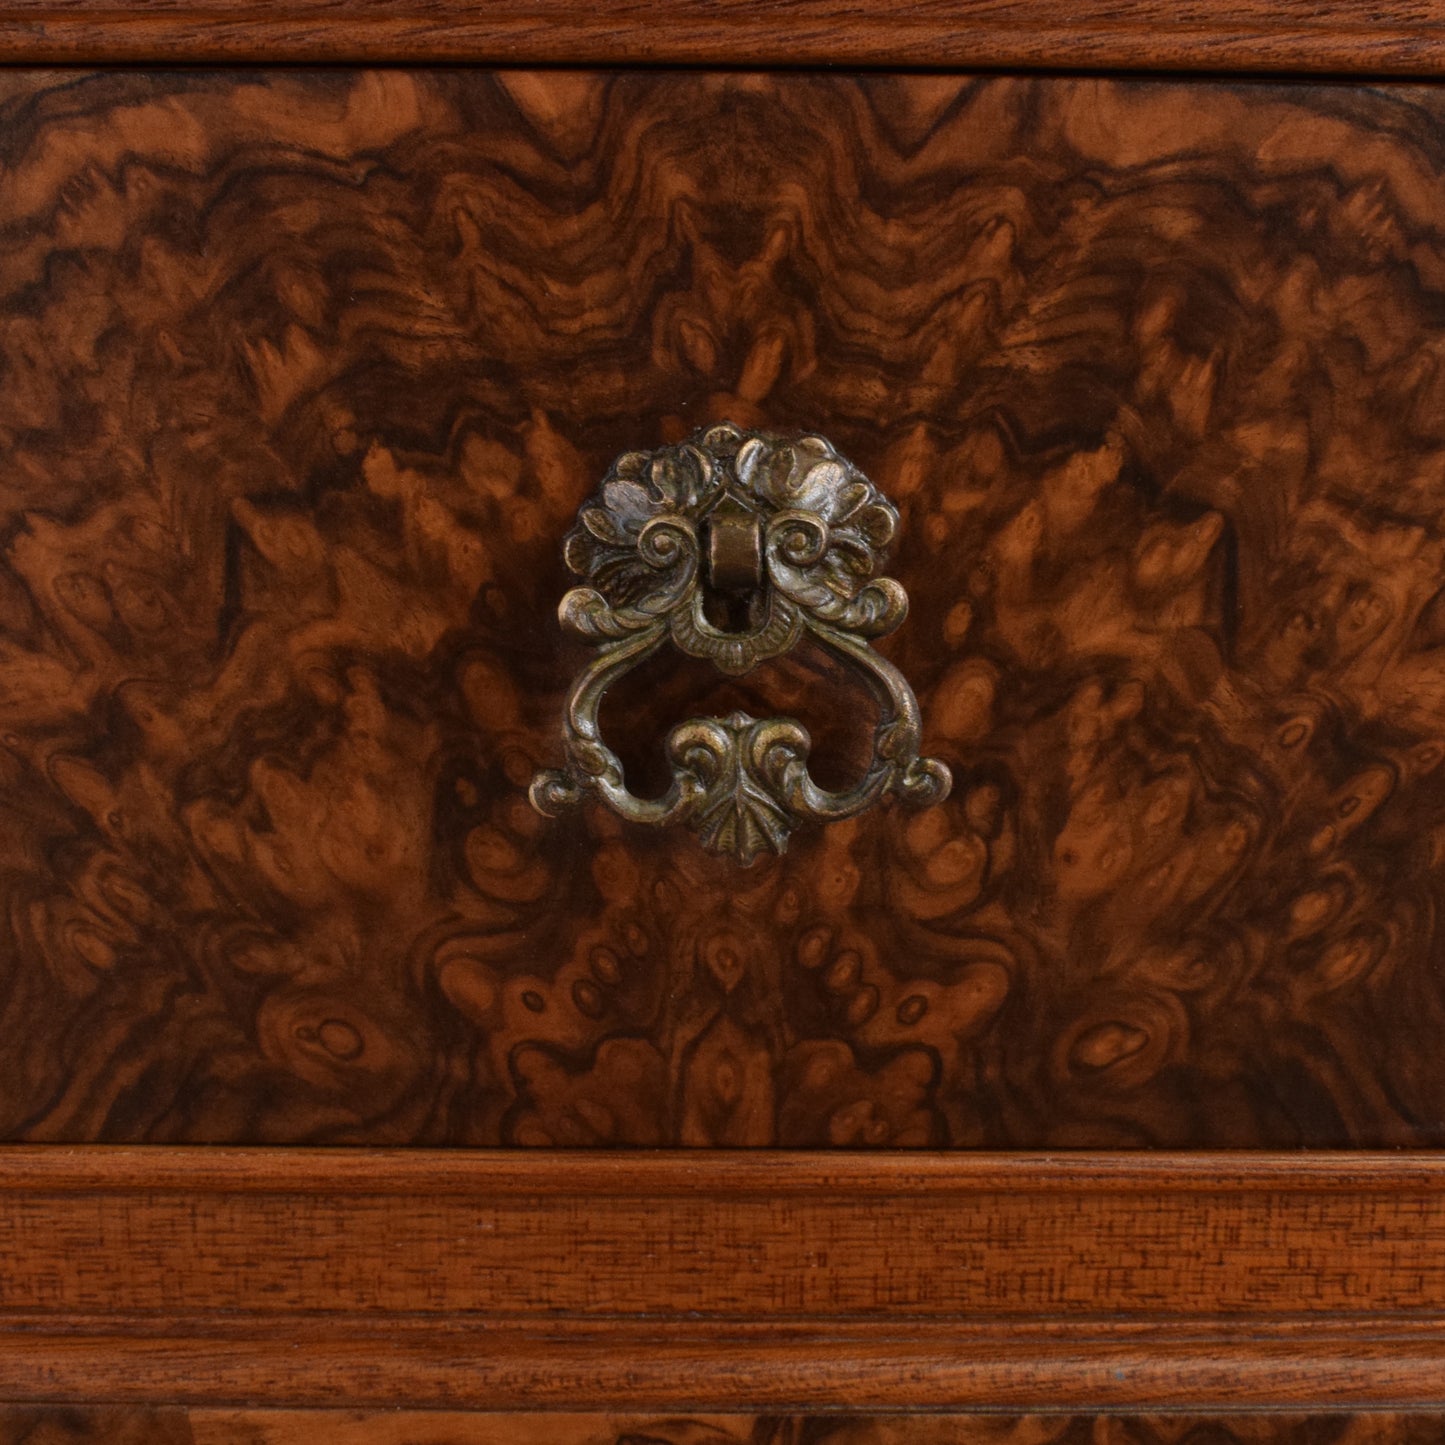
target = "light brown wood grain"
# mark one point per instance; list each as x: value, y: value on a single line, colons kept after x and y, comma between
x: 1398, y: 38
x: 713, y: 1280
x: 1360, y: 1363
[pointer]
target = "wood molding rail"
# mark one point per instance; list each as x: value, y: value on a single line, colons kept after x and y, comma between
x: 710, y: 1280
x: 1338, y: 36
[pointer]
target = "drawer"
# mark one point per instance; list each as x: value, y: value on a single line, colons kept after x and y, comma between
x: 753, y: 747
x: 309, y: 373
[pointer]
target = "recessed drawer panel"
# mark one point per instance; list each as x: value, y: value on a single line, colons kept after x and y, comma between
x: 304, y: 376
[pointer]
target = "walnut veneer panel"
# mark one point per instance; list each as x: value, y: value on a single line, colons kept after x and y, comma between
x: 302, y: 377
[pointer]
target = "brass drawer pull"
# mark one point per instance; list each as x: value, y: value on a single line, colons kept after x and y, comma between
x: 785, y: 537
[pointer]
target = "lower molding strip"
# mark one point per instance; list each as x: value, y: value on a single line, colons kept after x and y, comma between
x: 719, y: 1280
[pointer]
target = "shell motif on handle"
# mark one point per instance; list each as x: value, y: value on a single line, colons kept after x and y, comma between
x: 735, y: 546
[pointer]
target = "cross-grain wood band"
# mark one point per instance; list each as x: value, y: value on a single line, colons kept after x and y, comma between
x: 1399, y: 38
x: 720, y: 1280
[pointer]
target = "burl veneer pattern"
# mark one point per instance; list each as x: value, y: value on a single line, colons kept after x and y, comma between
x: 302, y: 377
x: 58, y: 1425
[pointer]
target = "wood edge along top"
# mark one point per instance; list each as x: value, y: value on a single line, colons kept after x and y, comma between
x: 1246, y: 36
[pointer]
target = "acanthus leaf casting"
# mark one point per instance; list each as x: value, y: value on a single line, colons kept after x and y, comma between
x: 821, y: 530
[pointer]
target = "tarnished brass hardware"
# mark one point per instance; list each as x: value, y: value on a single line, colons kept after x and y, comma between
x: 735, y: 546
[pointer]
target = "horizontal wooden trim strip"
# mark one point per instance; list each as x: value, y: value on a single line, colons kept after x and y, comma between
x: 1400, y: 38
x: 721, y: 1280
x: 96, y: 1168
x: 687, y: 1366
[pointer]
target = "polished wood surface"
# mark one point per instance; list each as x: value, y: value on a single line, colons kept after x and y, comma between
x: 1400, y: 37
x: 686, y: 1281
x: 305, y: 375
x: 60, y: 1425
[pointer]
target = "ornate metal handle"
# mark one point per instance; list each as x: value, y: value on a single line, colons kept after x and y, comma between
x: 783, y: 536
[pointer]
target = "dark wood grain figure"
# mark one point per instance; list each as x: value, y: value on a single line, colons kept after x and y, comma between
x: 63, y: 1426
x: 302, y: 379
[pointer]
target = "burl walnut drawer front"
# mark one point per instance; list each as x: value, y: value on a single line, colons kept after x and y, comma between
x: 306, y: 378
